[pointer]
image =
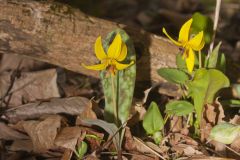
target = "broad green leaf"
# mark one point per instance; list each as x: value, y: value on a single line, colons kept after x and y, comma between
x: 231, y: 103
x: 157, y: 137
x: 225, y: 133
x: 213, y: 58
x: 221, y: 64
x: 181, y: 64
x: 202, y: 23
x: 204, y: 86
x: 217, y: 81
x: 82, y: 150
x: 216, y: 60
x: 110, y: 128
x: 153, y: 121
x: 179, y: 108
x: 173, y: 75
x: 124, y: 82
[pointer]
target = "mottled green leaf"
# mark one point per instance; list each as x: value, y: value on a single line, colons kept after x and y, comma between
x: 153, y: 121
x: 204, y: 86
x: 202, y: 23
x: 124, y: 82
x: 173, y: 75
x: 225, y: 133
x: 179, y: 108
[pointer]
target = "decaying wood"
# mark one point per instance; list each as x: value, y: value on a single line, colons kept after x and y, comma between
x: 63, y: 36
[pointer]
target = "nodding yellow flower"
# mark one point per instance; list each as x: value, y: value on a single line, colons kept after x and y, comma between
x: 116, y: 53
x: 189, y: 44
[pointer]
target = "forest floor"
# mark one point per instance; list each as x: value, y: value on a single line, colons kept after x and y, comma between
x: 42, y: 105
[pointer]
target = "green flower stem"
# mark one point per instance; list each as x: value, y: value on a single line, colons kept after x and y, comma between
x: 165, y: 118
x: 200, y: 59
x: 115, y: 108
x: 183, y: 91
x: 189, y: 118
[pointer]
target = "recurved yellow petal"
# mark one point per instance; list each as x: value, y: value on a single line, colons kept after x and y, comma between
x: 123, y: 53
x: 96, y: 67
x: 114, y: 49
x: 99, y: 51
x: 190, y: 60
x: 121, y: 66
x: 184, y: 56
x: 175, y: 42
x: 184, y: 31
x: 197, y: 42
x: 202, y: 44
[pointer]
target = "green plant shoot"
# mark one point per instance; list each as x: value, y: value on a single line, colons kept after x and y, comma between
x: 153, y: 122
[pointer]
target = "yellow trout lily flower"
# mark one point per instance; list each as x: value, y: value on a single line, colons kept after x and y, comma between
x: 116, y: 53
x: 189, y: 44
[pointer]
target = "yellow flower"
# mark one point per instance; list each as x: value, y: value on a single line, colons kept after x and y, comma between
x: 189, y: 44
x: 116, y: 53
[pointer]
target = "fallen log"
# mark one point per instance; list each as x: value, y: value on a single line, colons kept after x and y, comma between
x: 63, y: 36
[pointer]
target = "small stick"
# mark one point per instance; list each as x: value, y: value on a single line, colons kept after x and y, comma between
x: 152, y: 150
x: 229, y: 148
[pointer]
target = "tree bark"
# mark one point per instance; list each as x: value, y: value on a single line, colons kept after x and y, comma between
x: 63, y: 36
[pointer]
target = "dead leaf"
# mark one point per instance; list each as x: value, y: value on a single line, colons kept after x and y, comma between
x: 190, y: 150
x: 91, y: 157
x: 67, y: 155
x: 10, y: 62
x: 235, y: 120
x: 203, y: 157
x: 30, y: 86
x: 137, y: 114
x: 176, y: 124
x: 205, y: 131
x: 133, y: 144
x: 212, y: 115
x: 70, y: 106
x: 144, y: 148
x: 146, y: 93
x: 88, y: 112
x: 236, y: 144
x: 143, y: 157
x: 22, y: 145
x: 162, y: 149
x: 7, y: 133
x: 129, y: 141
x: 220, y: 111
x: 219, y: 147
x: 68, y: 137
x: 43, y: 133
